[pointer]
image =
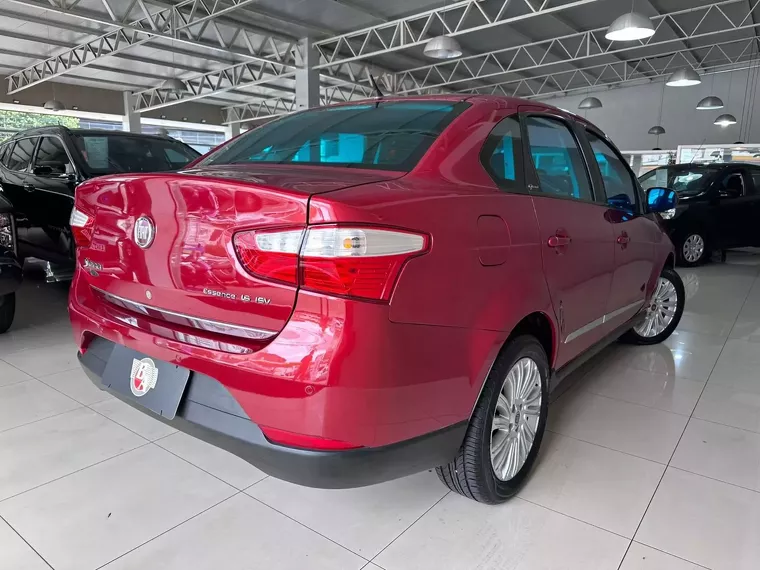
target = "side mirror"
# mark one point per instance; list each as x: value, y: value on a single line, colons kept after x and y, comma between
x: 660, y: 200
x: 43, y: 170
x: 729, y: 193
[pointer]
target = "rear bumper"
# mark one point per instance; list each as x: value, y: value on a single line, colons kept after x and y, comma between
x: 10, y: 272
x: 209, y: 412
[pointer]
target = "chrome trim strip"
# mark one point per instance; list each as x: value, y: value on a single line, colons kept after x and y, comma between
x: 601, y: 320
x: 195, y: 322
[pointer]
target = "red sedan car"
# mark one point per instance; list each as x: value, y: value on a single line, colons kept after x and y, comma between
x: 356, y: 293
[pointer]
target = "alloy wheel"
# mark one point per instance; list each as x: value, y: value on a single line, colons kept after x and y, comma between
x: 693, y: 248
x: 516, y: 418
x: 661, y: 310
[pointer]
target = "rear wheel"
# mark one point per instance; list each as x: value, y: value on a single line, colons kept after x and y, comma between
x: 506, y: 428
x: 663, y: 312
x: 7, y: 311
x: 693, y: 249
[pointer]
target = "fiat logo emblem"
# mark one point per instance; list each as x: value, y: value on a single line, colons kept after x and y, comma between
x: 144, y: 232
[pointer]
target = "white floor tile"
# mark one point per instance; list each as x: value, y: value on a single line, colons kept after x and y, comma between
x: 41, y: 362
x: 718, y: 326
x: 684, y: 354
x: 90, y: 517
x: 220, y: 463
x: 725, y: 453
x: 730, y: 405
x: 630, y: 428
x: 75, y: 384
x: 11, y: 375
x: 142, y: 423
x: 39, y: 452
x: 662, y: 391
x: 240, y: 534
x: 642, y: 557
x: 708, y: 522
x: 364, y: 520
x: 30, y: 401
x: 15, y: 554
x: 462, y: 534
x: 746, y: 328
x: 599, y: 486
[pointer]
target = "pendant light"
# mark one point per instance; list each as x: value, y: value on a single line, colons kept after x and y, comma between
x: 590, y: 103
x: 53, y: 104
x: 727, y: 119
x: 658, y: 129
x: 684, y: 77
x: 630, y: 27
x: 174, y: 85
x: 711, y: 102
x: 443, y: 47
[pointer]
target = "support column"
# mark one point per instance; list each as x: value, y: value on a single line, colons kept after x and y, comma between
x: 307, y: 78
x: 636, y: 164
x: 231, y: 131
x: 131, y: 118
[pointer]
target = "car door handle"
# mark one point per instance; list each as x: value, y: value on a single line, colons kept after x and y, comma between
x: 29, y: 187
x: 559, y: 241
x: 623, y: 239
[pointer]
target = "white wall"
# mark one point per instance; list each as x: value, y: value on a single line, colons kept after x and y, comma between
x: 629, y: 112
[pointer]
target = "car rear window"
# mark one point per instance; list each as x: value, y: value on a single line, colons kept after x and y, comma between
x: 106, y: 153
x: 391, y: 136
x: 685, y: 180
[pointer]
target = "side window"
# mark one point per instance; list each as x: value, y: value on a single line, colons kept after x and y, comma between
x: 502, y: 155
x: 52, y: 154
x: 21, y: 155
x: 618, y: 182
x: 3, y: 152
x: 732, y: 185
x: 557, y: 159
x: 755, y: 171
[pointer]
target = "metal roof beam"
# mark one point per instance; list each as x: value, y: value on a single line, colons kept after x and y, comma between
x: 611, y: 74
x: 183, y: 22
x: 574, y: 47
x: 463, y: 17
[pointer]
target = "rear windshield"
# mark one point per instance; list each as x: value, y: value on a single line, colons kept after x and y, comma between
x: 685, y: 180
x: 390, y: 136
x: 111, y: 153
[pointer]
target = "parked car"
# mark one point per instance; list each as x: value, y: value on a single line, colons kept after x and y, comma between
x: 39, y: 169
x: 360, y: 292
x: 718, y: 207
x: 10, y: 268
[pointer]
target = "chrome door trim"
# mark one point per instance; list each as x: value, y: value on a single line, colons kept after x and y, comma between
x: 195, y: 322
x: 601, y: 320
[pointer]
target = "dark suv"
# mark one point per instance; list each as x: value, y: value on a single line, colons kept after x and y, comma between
x: 39, y: 169
x: 718, y: 207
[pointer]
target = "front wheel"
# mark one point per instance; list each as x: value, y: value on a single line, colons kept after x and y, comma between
x: 506, y: 428
x: 663, y: 312
x: 7, y: 311
x: 693, y: 249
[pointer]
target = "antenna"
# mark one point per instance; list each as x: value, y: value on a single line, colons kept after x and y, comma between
x: 697, y: 151
x: 376, y: 87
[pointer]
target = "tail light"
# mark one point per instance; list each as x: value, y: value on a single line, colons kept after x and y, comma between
x: 81, y: 226
x: 358, y: 262
x: 290, y: 439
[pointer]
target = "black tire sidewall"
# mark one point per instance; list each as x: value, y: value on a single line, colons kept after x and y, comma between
x: 7, y: 311
x: 521, y: 347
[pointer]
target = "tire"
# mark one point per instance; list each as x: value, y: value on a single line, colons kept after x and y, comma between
x: 7, y: 311
x: 642, y: 335
x: 687, y: 243
x: 472, y: 472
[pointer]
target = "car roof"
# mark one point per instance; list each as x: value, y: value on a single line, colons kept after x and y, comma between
x: 713, y: 165
x: 56, y: 129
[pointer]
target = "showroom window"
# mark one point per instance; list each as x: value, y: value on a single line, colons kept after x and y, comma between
x: 557, y: 159
x: 502, y: 155
x: 617, y: 179
x: 21, y: 155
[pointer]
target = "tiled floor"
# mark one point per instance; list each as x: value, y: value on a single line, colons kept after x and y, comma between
x: 652, y: 462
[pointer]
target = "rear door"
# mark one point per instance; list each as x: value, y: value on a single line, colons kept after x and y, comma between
x: 735, y: 209
x: 634, y: 232
x: 16, y: 187
x: 52, y: 179
x: 577, y: 238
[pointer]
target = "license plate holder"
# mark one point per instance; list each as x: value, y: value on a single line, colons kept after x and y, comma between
x: 165, y: 395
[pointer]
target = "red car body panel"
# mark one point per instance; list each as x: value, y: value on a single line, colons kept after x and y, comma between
x: 365, y: 373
